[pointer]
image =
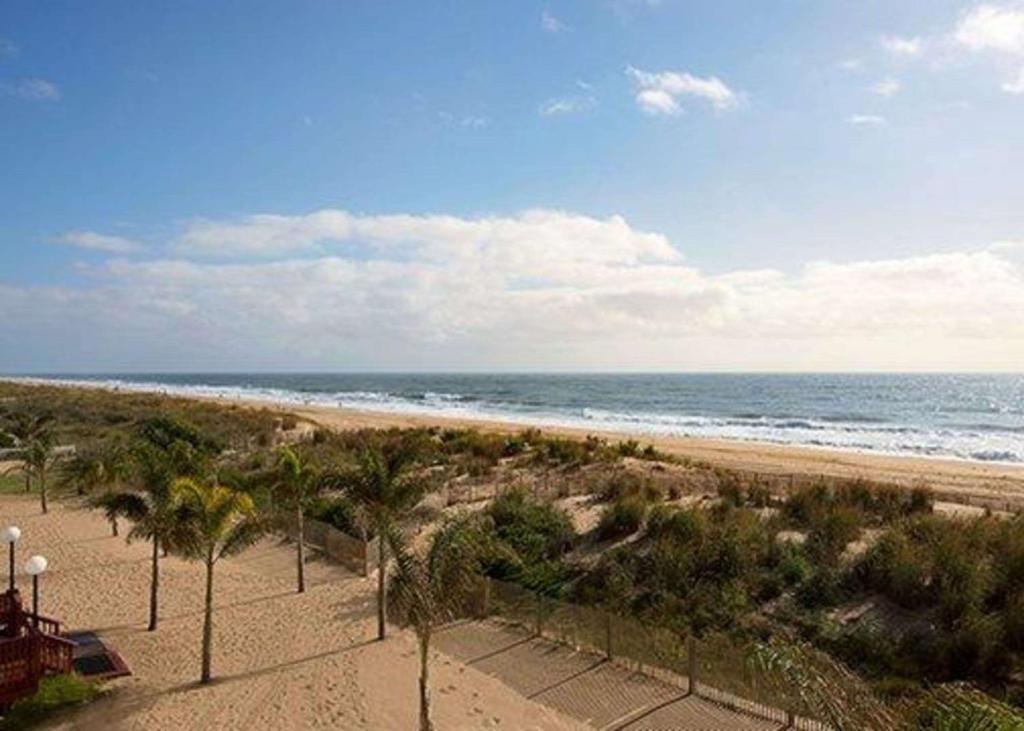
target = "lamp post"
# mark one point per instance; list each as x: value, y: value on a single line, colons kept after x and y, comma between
x: 10, y: 536
x: 34, y: 567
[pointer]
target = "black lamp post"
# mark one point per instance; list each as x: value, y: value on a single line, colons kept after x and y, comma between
x: 34, y: 567
x: 10, y: 536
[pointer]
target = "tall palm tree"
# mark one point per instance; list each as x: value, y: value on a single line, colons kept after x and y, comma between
x: 222, y: 522
x: 382, y: 489
x: 165, y: 451
x: 435, y: 587
x: 39, y: 459
x: 296, y: 483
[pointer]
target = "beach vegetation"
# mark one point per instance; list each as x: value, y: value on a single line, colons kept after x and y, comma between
x: 217, y: 522
x: 383, y: 488
x: 164, y: 450
x: 621, y: 518
x: 296, y: 485
x: 434, y: 587
x: 56, y: 694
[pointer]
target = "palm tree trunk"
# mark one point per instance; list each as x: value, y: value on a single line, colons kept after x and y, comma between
x: 208, y: 621
x: 300, y: 549
x: 28, y: 479
x: 382, y: 586
x: 113, y: 526
x: 154, y: 583
x: 42, y: 488
x: 425, y: 722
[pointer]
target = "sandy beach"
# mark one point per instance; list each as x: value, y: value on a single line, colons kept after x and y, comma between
x: 281, y: 660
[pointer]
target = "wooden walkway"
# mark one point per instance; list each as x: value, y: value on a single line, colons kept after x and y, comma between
x: 585, y: 686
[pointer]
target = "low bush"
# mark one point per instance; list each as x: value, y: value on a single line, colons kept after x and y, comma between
x: 535, y: 530
x: 56, y: 693
x: 622, y: 518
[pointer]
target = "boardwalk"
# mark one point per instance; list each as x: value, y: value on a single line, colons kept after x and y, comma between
x: 583, y: 685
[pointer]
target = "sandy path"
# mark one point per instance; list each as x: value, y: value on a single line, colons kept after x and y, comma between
x: 282, y: 661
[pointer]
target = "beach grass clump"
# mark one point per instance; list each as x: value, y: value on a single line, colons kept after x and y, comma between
x: 531, y: 539
x: 621, y: 518
x: 623, y: 485
x: 879, y: 504
x: 691, y: 570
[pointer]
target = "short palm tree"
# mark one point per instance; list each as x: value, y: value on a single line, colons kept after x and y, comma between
x: 39, y: 459
x: 87, y: 472
x: 382, y: 489
x: 296, y: 484
x: 434, y: 588
x: 24, y: 428
x: 222, y: 522
x: 165, y: 451
x: 82, y: 473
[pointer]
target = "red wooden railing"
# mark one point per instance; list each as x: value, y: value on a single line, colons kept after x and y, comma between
x: 30, y: 647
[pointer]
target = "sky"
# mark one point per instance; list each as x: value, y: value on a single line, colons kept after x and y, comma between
x: 589, y: 185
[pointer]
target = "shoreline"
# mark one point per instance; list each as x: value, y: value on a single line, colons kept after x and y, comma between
x: 964, y: 478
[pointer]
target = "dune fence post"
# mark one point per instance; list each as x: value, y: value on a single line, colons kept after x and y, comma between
x: 691, y: 660
x: 608, y: 635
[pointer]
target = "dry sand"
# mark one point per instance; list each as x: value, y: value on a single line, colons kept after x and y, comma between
x: 281, y: 660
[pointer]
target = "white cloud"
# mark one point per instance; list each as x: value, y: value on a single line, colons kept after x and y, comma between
x: 32, y: 89
x: 541, y: 288
x: 550, y: 24
x: 997, y: 29
x: 659, y: 92
x: 567, y: 105
x: 263, y: 235
x: 992, y: 28
x: 8, y: 49
x: 907, y: 47
x: 866, y: 120
x: 98, y: 242
x: 851, y: 64
x: 887, y: 87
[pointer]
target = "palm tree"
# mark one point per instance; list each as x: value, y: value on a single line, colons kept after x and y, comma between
x: 296, y: 484
x: 382, y: 489
x: 109, y: 468
x: 24, y: 428
x: 38, y: 459
x: 222, y: 522
x: 165, y: 451
x: 434, y: 588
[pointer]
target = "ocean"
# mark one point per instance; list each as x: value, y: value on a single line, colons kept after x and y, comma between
x: 972, y: 417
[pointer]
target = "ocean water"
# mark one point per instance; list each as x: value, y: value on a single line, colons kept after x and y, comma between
x: 973, y: 417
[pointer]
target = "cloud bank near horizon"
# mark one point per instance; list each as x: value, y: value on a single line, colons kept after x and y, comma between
x: 541, y: 289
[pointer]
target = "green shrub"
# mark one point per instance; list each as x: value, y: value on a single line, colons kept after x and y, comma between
x: 630, y: 485
x: 535, y: 530
x: 831, y: 532
x: 336, y: 511
x: 622, y: 518
x: 56, y: 693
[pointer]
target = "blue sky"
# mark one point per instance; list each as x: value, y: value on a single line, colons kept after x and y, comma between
x: 152, y: 150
